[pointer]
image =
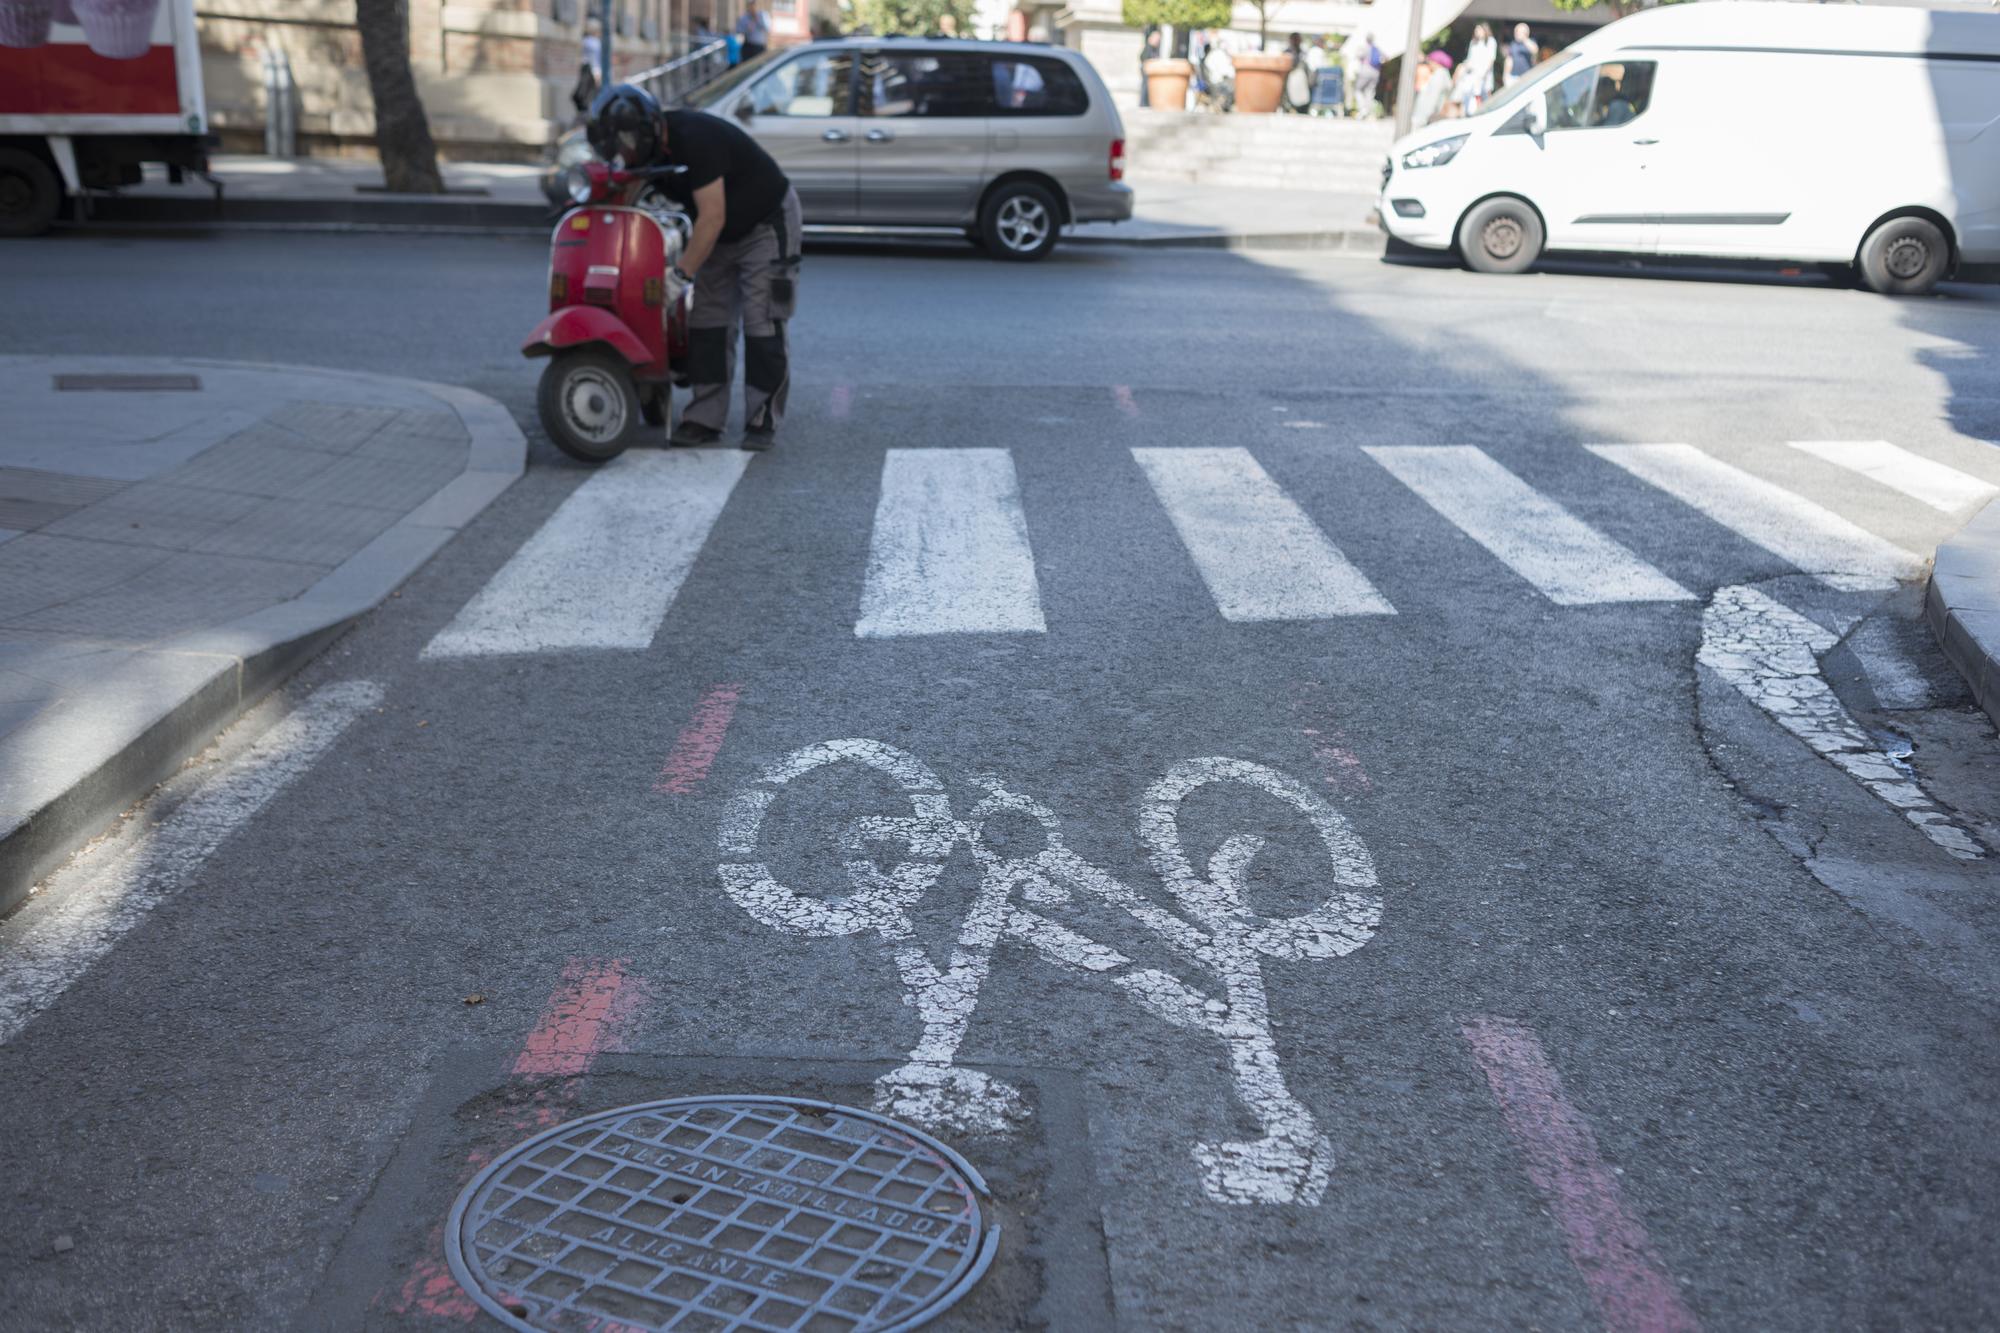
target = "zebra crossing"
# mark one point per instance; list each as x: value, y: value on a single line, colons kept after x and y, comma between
x: 952, y: 549
x: 1285, y: 570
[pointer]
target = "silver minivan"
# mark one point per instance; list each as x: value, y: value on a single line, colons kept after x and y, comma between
x: 1004, y: 141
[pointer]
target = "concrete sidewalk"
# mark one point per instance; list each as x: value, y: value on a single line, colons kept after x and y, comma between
x: 346, y: 194
x: 176, y: 537
x: 1242, y: 218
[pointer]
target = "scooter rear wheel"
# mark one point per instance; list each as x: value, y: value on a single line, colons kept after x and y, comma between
x: 589, y: 405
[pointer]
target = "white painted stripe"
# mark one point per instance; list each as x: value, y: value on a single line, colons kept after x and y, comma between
x: 1771, y: 653
x: 949, y: 553
x: 1571, y: 562
x: 1259, y: 554
x: 1818, y: 541
x: 1940, y: 487
x: 52, y: 951
x: 604, y: 568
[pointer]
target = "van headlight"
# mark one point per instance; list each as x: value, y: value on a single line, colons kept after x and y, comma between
x: 1434, y: 154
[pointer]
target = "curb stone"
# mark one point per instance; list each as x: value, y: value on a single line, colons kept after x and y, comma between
x: 172, y: 704
x: 1962, y: 603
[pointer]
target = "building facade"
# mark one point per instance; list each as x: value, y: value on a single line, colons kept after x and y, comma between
x: 495, y: 75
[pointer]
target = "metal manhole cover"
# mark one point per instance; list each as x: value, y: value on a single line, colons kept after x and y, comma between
x: 714, y: 1213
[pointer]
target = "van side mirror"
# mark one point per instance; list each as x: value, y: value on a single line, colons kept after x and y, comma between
x: 1531, y: 120
x: 745, y: 111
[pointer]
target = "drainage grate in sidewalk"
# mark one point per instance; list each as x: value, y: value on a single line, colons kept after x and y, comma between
x: 724, y: 1213
x: 127, y: 383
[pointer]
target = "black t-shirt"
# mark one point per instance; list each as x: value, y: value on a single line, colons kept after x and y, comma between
x: 712, y: 148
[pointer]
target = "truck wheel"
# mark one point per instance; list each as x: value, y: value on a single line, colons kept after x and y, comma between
x: 1502, y: 235
x: 1020, y: 221
x: 1904, y: 257
x: 588, y: 404
x: 30, y: 194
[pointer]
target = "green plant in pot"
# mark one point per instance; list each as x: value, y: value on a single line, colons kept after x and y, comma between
x: 1167, y: 78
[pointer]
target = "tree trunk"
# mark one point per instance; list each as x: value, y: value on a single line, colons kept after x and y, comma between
x: 402, y: 132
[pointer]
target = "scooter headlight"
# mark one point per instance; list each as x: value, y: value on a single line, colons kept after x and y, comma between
x: 577, y: 182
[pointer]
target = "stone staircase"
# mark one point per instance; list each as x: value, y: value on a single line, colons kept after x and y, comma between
x: 1256, y: 152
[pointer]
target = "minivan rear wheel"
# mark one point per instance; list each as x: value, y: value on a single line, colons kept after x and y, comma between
x: 1905, y: 256
x: 1019, y: 221
x: 1501, y: 235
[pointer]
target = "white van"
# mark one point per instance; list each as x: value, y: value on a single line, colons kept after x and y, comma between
x: 1818, y: 133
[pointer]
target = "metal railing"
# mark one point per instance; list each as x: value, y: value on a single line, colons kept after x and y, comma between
x: 679, y: 77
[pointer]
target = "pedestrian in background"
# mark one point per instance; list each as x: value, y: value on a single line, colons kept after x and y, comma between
x: 1219, y: 71
x: 1480, y: 58
x: 1521, y: 53
x: 1367, y: 77
x: 753, y: 30
x: 1298, y: 78
x: 1433, y: 84
x: 585, y: 91
x: 1149, y: 51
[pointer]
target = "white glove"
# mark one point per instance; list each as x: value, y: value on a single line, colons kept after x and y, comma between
x: 679, y: 284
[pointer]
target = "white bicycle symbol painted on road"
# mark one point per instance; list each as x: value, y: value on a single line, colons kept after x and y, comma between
x: 1217, y: 931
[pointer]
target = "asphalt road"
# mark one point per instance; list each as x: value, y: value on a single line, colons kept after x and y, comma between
x: 1666, y: 1020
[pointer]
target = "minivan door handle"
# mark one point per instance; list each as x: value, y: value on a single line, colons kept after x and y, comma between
x: 1645, y: 141
x: 879, y: 136
x: 835, y: 136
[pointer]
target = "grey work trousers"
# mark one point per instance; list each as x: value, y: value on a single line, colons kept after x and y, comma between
x: 752, y: 283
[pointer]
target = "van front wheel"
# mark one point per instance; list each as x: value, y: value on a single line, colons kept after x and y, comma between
x: 1905, y: 257
x: 1502, y: 235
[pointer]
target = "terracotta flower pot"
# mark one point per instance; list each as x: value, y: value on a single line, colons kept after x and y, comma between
x: 117, y: 29
x: 1260, y: 80
x: 25, y: 22
x: 1167, y: 83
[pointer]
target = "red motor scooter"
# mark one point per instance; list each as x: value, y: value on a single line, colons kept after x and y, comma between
x: 612, y: 336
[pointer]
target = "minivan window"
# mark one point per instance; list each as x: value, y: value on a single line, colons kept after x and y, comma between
x: 932, y: 84
x: 709, y: 94
x: 1609, y: 94
x: 1037, y: 86
x: 819, y: 84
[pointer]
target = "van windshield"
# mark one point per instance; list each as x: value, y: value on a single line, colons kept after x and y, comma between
x: 1514, y: 91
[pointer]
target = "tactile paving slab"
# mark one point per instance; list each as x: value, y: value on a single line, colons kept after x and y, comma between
x: 723, y: 1213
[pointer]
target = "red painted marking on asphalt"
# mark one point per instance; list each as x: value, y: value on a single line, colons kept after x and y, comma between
x: 1607, y: 1244
x: 1338, y: 764
x: 1122, y: 395
x: 843, y: 399
x: 432, y: 1290
x: 700, y: 741
x: 592, y: 1008
x: 582, y: 1019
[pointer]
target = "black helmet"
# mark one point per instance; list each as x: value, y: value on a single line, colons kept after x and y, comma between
x: 625, y: 124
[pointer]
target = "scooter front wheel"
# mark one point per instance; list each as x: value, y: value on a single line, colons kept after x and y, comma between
x: 589, y: 405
